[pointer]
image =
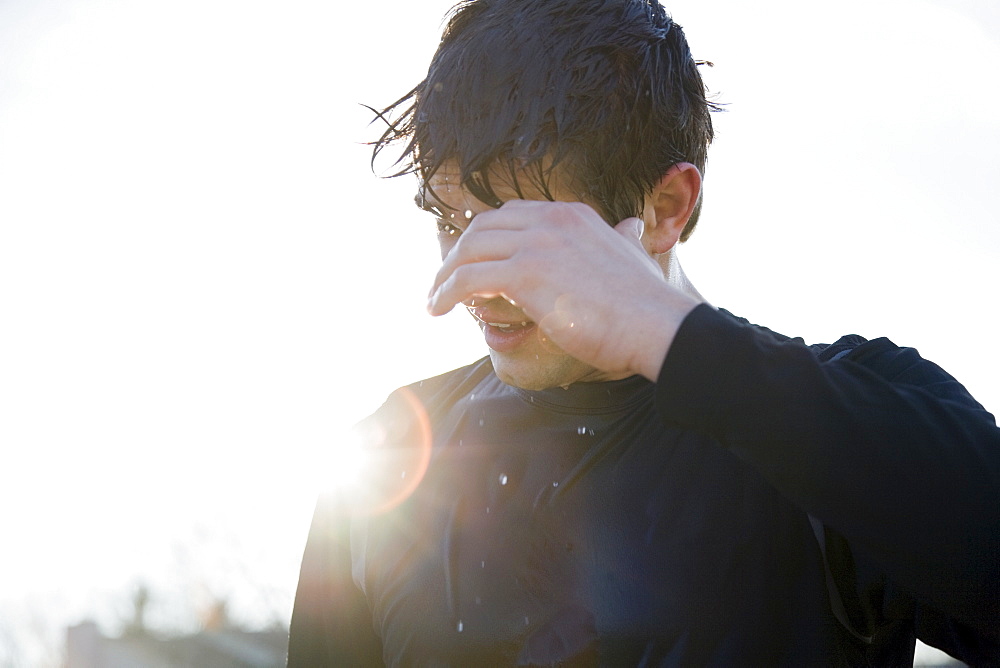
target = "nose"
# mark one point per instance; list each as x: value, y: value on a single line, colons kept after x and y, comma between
x: 479, y: 300
x: 487, y: 299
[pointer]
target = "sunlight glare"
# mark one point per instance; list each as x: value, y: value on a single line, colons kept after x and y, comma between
x: 346, y: 464
x: 377, y: 464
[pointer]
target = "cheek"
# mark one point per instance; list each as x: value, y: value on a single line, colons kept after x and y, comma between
x: 446, y: 242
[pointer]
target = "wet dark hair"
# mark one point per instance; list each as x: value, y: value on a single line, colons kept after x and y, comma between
x: 605, y: 91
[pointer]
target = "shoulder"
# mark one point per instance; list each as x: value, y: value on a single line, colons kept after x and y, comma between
x: 432, y: 395
x: 455, y: 380
x: 899, y: 365
x: 448, y: 387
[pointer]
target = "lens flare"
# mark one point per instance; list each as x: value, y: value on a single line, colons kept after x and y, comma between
x: 384, y: 459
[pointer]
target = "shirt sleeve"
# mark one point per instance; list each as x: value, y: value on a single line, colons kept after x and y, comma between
x: 880, y: 445
x: 331, y: 624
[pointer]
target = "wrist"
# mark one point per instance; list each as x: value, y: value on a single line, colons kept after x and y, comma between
x: 659, y: 334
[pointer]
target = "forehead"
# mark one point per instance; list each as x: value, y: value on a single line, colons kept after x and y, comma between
x: 445, y: 187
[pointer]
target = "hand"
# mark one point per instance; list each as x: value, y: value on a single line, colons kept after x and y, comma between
x: 594, y: 290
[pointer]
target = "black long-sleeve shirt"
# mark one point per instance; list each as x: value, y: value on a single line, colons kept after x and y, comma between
x: 632, y: 523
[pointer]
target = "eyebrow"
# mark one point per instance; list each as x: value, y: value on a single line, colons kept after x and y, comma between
x: 420, y: 199
x: 438, y: 208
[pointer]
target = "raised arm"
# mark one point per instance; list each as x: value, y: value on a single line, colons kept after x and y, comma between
x: 881, y: 445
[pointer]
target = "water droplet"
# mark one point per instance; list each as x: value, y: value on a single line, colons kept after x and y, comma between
x: 503, y: 479
x: 555, y: 483
x: 468, y: 213
x: 581, y: 430
x: 452, y: 216
x: 460, y: 626
x: 472, y: 397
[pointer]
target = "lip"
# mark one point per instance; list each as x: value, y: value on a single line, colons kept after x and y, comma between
x: 503, y: 334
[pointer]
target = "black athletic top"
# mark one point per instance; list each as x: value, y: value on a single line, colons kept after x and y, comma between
x: 632, y: 523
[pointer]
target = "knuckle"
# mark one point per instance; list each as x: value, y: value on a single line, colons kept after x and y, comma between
x: 564, y: 211
x: 461, y: 278
x: 572, y: 214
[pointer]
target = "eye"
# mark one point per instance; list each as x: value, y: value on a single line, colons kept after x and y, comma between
x: 450, y: 229
x: 448, y: 223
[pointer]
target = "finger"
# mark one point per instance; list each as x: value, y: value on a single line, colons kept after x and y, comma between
x: 476, y: 246
x: 517, y: 214
x: 632, y: 229
x: 484, y: 280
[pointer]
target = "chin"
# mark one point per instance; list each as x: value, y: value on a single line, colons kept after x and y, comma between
x: 539, y: 374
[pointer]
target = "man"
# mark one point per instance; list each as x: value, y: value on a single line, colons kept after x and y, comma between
x: 633, y: 477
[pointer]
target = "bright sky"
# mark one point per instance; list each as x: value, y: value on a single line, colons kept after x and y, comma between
x: 202, y: 285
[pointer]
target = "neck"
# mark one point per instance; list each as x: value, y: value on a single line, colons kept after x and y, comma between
x: 675, y: 275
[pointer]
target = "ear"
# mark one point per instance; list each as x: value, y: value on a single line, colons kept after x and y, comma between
x: 669, y: 206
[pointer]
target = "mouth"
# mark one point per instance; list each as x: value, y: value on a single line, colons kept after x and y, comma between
x: 503, y: 334
x: 504, y: 324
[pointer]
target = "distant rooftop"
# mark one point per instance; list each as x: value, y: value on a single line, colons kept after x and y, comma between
x: 87, y: 647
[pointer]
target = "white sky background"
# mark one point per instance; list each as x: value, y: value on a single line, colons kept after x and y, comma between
x: 202, y: 285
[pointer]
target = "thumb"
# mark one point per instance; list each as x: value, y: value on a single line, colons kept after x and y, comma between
x: 631, y: 228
